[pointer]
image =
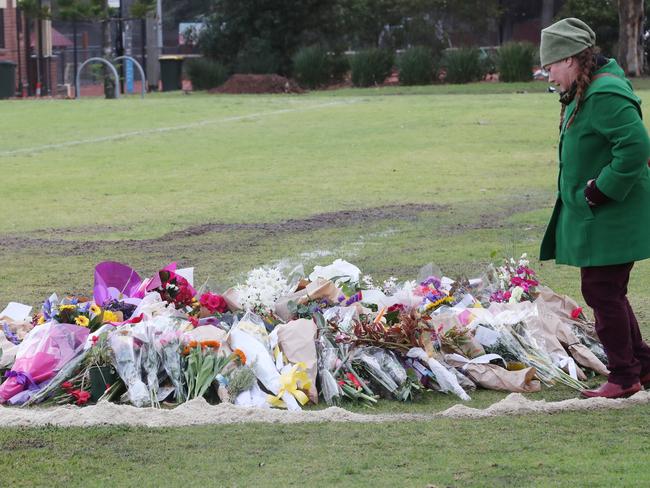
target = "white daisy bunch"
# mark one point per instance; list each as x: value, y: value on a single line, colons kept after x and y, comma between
x: 262, y: 289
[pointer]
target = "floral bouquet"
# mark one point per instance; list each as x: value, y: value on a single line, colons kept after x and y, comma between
x: 168, y: 344
x: 432, y: 296
x: 45, y: 350
x: 515, y: 281
x: 176, y: 290
x: 263, y: 287
x: 75, y: 310
x: 126, y: 358
x: 116, y: 281
x: 204, y: 362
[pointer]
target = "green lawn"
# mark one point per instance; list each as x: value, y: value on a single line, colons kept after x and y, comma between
x: 445, y: 175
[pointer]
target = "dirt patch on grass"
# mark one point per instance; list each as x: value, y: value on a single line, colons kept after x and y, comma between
x: 327, y: 220
x: 238, y: 84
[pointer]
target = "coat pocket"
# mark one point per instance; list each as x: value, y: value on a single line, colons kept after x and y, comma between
x: 577, y: 204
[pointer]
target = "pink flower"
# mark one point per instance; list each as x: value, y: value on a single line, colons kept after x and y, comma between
x: 214, y: 303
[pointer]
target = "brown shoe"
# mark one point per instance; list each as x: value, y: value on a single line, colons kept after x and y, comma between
x: 612, y: 390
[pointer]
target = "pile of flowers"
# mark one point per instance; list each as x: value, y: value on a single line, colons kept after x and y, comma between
x: 273, y: 342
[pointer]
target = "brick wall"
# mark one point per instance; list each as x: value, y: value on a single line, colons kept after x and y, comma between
x: 11, y: 49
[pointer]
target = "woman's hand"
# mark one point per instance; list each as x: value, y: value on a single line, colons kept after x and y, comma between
x: 593, y: 195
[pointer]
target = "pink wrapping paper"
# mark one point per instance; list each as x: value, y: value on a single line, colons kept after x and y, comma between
x: 45, y: 350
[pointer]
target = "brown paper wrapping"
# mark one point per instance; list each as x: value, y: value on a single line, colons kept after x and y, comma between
x: 563, y: 306
x: 494, y: 377
x: 232, y: 299
x: 557, y: 308
x: 297, y: 342
x: 317, y: 290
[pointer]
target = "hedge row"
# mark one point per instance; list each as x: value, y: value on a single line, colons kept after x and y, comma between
x: 314, y: 66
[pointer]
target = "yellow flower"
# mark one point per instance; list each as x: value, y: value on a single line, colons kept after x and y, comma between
x: 110, y: 317
x: 66, y: 307
x: 41, y: 320
x: 82, y: 320
x: 95, y: 310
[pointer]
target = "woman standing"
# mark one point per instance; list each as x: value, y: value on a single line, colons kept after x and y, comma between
x: 601, y: 220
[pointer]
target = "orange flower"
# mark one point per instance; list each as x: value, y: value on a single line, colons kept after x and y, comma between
x: 213, y: 344
x: 242, y: 357
x: 188, y: 348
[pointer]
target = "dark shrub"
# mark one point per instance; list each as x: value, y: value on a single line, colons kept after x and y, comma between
x: 312, y: 66
x: 205, y: 73
x: 515, y: 61
x: 339, y: 66
x: 371, y: 67
x: 416, y: 66
x: 257, y: 57
x: 463, y: 65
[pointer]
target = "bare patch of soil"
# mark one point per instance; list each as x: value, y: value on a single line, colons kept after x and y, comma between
x: 239, y: 83
x: 327, y: 220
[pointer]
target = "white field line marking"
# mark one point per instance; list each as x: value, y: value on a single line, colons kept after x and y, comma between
x: 159, y: 130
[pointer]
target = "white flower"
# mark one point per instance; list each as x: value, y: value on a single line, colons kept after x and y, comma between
x: 367, y: 283
x: 262, y: 288
x: 390, y: 286
x: 516, y: 294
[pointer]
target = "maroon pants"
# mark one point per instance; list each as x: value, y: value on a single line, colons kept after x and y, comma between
x: 604, y: 289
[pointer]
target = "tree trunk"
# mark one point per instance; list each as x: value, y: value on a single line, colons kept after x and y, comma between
x: 630, y: 36
x: 548, y: 7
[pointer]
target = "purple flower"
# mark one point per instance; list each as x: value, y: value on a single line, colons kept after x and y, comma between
x: 432, y: 280
x: 11, y: 337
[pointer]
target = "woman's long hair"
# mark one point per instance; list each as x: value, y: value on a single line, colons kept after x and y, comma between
x: 586, y: 63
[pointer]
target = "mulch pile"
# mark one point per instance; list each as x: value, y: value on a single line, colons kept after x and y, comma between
x: 258, y: 84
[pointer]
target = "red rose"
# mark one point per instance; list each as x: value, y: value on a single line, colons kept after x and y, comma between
x: 393, y: 308
x: 354, y: 380
x: 576, y: 312
x: 81, y: 396
x: 66, y: 385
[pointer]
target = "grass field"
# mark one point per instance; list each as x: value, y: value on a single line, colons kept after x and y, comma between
x: 389, y: 179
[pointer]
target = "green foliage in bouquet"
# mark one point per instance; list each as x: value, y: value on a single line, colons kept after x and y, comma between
x: 416, y: 66
x: 240, y: 379
x: 203, y: 363
x: 206, y: 73
x: 515, y: 61
x: 371, y: 67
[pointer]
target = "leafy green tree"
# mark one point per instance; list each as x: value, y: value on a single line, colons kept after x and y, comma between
x: 618, y: 25
x: 76, y: 11
x: 280, y: 27
x: 602, y: 17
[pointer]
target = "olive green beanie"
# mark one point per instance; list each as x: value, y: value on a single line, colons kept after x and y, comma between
x: 565, y: 39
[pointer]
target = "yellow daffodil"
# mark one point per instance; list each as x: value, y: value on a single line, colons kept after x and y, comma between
x: 82, y: 321
x: 110, y: 317
x: 95, y: 310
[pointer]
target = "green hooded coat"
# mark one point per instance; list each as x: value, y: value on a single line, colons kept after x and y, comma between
x: 608, y: 142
